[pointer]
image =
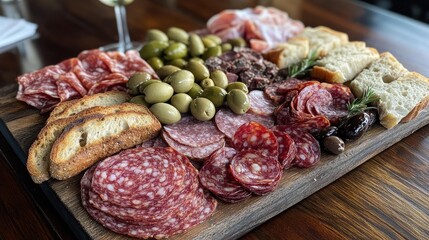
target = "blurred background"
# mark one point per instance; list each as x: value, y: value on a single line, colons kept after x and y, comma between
x: 417, y: 9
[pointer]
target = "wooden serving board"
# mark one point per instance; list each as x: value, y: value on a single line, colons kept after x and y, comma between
x: 229, y: 220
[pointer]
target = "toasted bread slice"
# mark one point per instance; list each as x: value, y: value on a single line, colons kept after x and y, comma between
x: 60, y: 107
x: 88, y: 101
x: 39, y: 154
x: 289, y: 53
x: 323, y: 39
x: 84, y: 143
x: 342, y: 64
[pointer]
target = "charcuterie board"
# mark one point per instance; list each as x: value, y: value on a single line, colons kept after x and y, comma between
x: 229, y: 220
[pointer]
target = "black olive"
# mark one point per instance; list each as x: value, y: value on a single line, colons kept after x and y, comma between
x: 373, y: 115
x: 330, y: 131
x: 355, y: 126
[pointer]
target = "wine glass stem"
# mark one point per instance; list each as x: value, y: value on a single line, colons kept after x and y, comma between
x: 121, y: 22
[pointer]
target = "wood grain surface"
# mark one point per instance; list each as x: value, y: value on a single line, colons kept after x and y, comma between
x: 383, y: 198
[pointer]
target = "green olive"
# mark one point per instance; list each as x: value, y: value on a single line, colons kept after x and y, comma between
x: 165, y: 113
x: 196, y: 45
x: 136, y: 80
x: 166, y: 70
x: 237, y: 85
x: 215, y: 94
x: 208, y: 43
x: 139, y: 100
x: 199, y: 70
x: 196, y: 59
x: 153, y: 49
x: 181, y: 102
x: 226, y: 47
x: 175, y: 50
x: 237, y: 42
x: 195, y: 91
x: 238, y: 101
x: 158, y: 92
x: 202, y: 109
x: 216, y: 39
x: 179, y: 62
x: 155, y: 62
x: 155, y: 34
x: 207, y: 82
x: 219, y: 78
x: 178, y: 35
x: 181, y: 81
x: 212, y: 52
x: 147, y: 83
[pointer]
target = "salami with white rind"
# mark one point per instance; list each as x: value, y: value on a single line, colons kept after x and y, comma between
x: 253, y: 135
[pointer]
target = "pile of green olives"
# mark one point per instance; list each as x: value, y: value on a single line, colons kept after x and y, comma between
x: 177, y: 47
x: 193, y: 89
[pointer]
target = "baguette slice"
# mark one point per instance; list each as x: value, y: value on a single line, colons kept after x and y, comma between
x: 323, y: 39
x: 38, y: 160
x: 342, y: 64
x: 88, y: 101
x: 289, y: 53
x: 84, y: 143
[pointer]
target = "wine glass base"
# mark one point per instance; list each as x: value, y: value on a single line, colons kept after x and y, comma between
x: 115, y: 47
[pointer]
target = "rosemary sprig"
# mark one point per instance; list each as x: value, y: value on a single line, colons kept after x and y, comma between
x: 361, y: 104
x: 302, y: 68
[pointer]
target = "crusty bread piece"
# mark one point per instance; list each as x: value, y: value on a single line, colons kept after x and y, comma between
x: 38, y: 160
x: 383, y: 70
x: 61, y: 107
x: 342, y: 64
x: 83, y: 144
x: 88, y: 101
x: 291, y: 52
x: 323, y: 39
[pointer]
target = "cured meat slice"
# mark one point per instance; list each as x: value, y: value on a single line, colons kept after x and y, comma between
x: 287, y: 149
x: 293, y: 84
x: 341, y: 95
x: 253, y: 135
x: 109, y: 82
x: 215, y: 177
x: 307, y: 147
x: 155, y: 176
x: 299, y: 102
x: 258, y: 173
x: 200, y: 152
x: 228, y: 122
x: 192, y: 132
x: 271, y: 91
x: 260, y: 104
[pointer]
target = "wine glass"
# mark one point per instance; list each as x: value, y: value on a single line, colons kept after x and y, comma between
x: 124, y: 43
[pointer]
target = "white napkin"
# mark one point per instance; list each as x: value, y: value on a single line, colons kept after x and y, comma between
x: 13, y: 31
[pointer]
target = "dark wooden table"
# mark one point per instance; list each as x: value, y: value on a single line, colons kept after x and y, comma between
x: 385, y: 198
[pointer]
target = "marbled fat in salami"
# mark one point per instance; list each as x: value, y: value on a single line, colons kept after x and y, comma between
x: 215, y: 177
x: 260, y: 104
x: 228, y: 122
x: 287, y: 149
x: 192, y: 132
x: 253, y: 135
x: 258, y: 173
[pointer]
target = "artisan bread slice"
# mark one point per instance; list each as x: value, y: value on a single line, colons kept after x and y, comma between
x: 60, y: 107
x: 88, y: 101
x: 323, y: 39
x: 291, y: 52
x: 83, y: 144
x: 342, y: 64
x: 383, y: 70
x: 38, y: 160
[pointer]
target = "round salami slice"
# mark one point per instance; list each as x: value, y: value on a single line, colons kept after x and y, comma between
x: 215, y: 177
x: 228, y: 122
x: 200, y: 152
x: 260, y: 104
x: 300, y: 101
x: 307, y: 147
x: 341, y: 95
x: 253, y: 135
x: 258, y: 173
x: 287, y: 149
x: 271, y: 92
x: 293, y: 84
x: 192, y: 132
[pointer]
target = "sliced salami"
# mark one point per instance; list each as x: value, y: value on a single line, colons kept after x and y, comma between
x: 228, y: 122
x: 196, y: 153
x: 258, y: 173
x: 287, y: 149
x: 215, y: 177
x: 192, y: 132
x: 293, y: 84
x: 341, y: 95
x: 307, y: 147
x: 253, y: 135
x: 271, y: 92
x: 260, y: 104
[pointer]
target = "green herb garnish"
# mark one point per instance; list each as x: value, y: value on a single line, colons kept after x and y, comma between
x: 361, y: 104
x: 302, y: 68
